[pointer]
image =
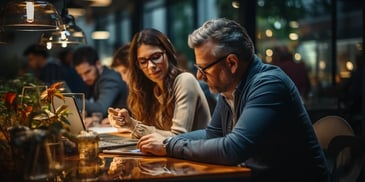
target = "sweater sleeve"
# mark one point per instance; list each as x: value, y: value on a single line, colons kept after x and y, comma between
x: 188, y: 97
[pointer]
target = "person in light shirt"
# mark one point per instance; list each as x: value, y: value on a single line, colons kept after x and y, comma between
x: 163, y: 98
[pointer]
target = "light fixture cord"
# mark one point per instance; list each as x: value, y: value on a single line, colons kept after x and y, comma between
x: 66, y: 18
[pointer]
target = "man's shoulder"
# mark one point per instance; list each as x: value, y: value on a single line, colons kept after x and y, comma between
x: 53, y: 61
x: 52, y: 65
x: 185, y: 78
x: 107, y: 72
x: 266, y: 71
x: 265, y: 75
x: 110, y: 75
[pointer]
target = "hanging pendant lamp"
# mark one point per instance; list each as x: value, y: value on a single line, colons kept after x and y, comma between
x: 68, y: 34
x: 30, y: 15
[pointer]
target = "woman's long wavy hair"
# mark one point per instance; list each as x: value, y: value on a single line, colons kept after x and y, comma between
x: 141, y: 100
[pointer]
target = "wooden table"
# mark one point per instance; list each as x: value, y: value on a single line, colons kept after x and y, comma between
x: 116, y: 167
x: 149, y: 168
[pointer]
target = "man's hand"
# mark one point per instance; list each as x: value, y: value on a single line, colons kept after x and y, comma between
x: 152, y: 143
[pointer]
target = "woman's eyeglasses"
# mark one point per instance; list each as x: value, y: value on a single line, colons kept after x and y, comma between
x: 155, y: 58
x: 202, y: 69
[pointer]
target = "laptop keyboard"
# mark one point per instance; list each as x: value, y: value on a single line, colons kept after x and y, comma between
x: 108, y: 141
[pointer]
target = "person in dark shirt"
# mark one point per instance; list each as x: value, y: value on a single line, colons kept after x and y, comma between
x: 105, y: 86
x: 42, y: 66
x: 72, y: 79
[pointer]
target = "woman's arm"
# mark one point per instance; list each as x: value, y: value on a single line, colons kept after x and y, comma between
x: 190, y: 106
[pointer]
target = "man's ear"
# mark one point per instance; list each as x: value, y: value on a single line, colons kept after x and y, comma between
x: 99, y: 66
x: 232, y: 62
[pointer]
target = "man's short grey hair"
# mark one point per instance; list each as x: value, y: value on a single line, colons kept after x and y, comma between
x: 229, y: 36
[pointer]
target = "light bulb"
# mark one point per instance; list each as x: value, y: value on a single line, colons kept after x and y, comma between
x: 30, y: 11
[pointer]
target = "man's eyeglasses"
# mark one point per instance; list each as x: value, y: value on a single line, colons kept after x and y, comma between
x: 202, y: 69
x: 155, y: 58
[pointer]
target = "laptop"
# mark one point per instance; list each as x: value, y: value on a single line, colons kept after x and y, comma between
x: 107, y: 140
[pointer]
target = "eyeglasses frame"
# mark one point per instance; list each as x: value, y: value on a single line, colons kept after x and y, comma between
x: 202, y: 69
x: 149, y: 59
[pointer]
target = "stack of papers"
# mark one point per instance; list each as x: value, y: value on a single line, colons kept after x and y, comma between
x: 102, y: 130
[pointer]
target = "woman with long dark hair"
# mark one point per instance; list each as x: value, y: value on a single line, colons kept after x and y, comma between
x: 162, y: 97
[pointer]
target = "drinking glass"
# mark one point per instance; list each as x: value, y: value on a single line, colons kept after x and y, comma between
x: 36, y: 156
x: 55, y: 152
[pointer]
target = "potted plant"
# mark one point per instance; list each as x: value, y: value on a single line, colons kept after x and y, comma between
x: 20, y: 117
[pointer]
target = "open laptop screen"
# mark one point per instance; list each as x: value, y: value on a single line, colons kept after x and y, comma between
x: 75, y: 119
x: 107, y: 141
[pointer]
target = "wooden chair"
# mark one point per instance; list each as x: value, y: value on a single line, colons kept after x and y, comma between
x: 346, y: 158
x: 328, y: 127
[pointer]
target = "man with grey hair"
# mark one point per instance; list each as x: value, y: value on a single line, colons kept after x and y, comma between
x: 259, y: 120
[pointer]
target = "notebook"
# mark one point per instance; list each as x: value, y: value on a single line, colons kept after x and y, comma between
x: 107, y: 140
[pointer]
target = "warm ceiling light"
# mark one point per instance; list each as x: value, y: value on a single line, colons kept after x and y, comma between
x: 100, y: 32
x: 294, y: 24
x: 236, y: 4
x: 29, y: 9
x: 293, y: 36
x: 100, y: 35
x: 76, y: 12
x: 30, y: 15
x: 100, y: 3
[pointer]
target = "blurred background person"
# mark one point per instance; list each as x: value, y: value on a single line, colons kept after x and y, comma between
x: 41, y: 65
x: 297, y: 71
x: 350, y: 94
x: 72, y: 79
x: 105, y: 86
x: 162, y: 97
x: 120, y: 61
x: 356, y: 87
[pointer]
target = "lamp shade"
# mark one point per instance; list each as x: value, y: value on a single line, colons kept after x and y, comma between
x: 30, y: 15
x: 69, y: 33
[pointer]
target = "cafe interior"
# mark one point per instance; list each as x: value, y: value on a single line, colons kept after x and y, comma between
x: 327, y: 36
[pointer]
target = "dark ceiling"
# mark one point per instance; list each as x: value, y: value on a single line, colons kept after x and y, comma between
x: 115, y: 5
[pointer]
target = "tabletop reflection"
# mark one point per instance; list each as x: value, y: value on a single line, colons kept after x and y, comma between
x: 144, y: 168
x: 130, y: 168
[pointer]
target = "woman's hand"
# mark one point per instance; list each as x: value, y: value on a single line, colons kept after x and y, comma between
x: 120, y: 118
x: 152, y: 143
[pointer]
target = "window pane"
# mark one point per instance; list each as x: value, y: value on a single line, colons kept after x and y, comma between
x: 305, y: 27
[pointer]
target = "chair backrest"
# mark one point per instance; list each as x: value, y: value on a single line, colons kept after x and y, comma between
x: 328, y: 127
x: 346, y: 158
